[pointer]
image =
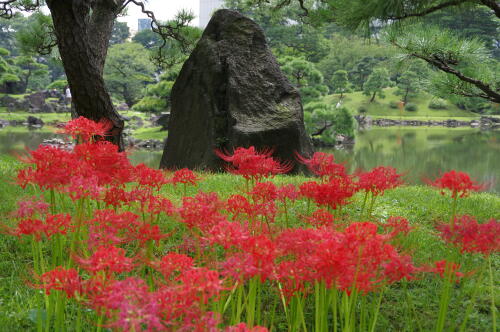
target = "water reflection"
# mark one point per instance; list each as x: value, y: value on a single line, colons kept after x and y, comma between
x: 428, y: 152
x: 418, y: 152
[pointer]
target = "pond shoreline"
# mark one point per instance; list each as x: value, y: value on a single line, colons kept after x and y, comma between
x: 485, y: 122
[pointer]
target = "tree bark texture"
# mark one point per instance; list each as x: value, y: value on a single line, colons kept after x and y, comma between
x: 83, y: 30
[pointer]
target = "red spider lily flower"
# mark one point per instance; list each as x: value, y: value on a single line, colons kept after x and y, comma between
x: 53, y: 224
x: 320, y: 218
x: 184, y: 176
x: 323, y: 165
x: 470, y: 236
x: 57, y: 224
x: 359, y: 258
x: 242, y: 327
x: 287, y: 191
x: 441, y: 266
x: 159, y: 204
x: 227, y: 234
x: 208, y: 322
x: 308, y: 189
x: 111, y: 228
x: 108, y: 259
x: 201, y: 211
x: 148, y: 177
x: 378, y: 180
x: 35, y: 227
x: 130, y: 306
x: 115, y: 196
x: 28, y: 207
x: 253, y: 164
x: 83, y: 187
x: 264, y: 192
x: 105, y: 162
x: 398, y: 225
x: 238, y: 205
x: 255, y: 258
x: 335, y: 192
x: 266, y: 210
x: 53, y: 168
x: 145, y: 233
x: 458, y: 183
x: 296, y: 264
x: 173, y: 262
x: 85, y: 129
x: 61, y: 279
x: 201, y: 283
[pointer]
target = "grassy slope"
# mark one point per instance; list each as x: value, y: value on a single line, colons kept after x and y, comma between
x: 423, y: 206
x: 149, y: 133
x: 380, y: 107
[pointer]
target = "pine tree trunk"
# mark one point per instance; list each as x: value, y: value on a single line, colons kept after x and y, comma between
x: 83, y: 42
x: 373, y: 96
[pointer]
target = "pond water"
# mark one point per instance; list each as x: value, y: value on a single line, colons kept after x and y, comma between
x: 418, y: 152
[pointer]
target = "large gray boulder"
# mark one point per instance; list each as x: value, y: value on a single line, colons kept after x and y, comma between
x: 231, y: 93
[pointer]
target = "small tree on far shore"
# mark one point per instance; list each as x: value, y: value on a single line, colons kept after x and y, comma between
x: 340, y: 81
x: 376, y: 82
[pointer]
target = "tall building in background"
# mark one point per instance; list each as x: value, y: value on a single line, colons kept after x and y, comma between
x: 207, y: 8
x: 143, y: 24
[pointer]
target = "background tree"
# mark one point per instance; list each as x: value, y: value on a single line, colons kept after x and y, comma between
x: 324, y: 121
x: 156, y: 96
x: 412, y: 80
x: 454, y: 62
x: 148, y: 39
x: 340, y: 82
x: 120, y: 33
x: 376, y: 82
x: 127, y: 71
x: 29, y: 69
x: 83, y: 29
x: 305, y: 76
x: 8, y: 75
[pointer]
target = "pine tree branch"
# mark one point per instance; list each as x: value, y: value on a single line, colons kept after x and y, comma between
x: 166, y: 31
x: 429, y: 10
x: 494, y: 5
x: 6, y: 7
x: 489, y: 93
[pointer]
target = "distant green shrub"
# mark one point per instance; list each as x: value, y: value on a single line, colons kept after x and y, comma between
x: 438, y: 104
x: 59, y: 85
x: 393, y: 104
x: 411, y: 107
x: 362, y: 110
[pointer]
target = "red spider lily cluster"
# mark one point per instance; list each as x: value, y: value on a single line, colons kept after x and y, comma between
x: 472, y: 237
x: 140, y: 259
x: 459, y: 184
x: 253, y: 164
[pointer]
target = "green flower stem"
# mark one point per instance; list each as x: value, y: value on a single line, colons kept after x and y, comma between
x: 376, y: 311
x: 492, y: 294
x: 472, y: 299
x: 372, y: 203
x: 453, y: 212
x: 445, y: 296
x: 333, y: 301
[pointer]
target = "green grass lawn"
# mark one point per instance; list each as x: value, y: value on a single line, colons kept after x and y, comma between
x: 380, y: 108
x: 416, y: 301
x: 46, y: 117
x: 149, y: 133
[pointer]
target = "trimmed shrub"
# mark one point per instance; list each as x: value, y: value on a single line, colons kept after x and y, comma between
x: 393, y: 104
x: 411, y: 107
x: 438, y: 104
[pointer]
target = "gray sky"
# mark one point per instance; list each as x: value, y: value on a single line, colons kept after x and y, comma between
x: 163, y: 9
